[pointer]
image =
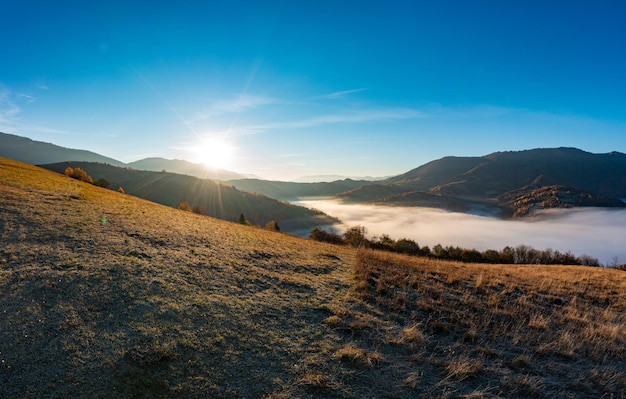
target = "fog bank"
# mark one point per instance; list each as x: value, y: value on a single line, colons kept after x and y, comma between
x: 598, y: 232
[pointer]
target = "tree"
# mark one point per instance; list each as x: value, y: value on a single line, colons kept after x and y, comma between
x: 355, y: 236
x: 78, y: 174
x: 439, y: 252
x: 491, y: 256
x: 406, y: 246
x: 272, y: 226
x: 318, y: 234
x: 242, y: 219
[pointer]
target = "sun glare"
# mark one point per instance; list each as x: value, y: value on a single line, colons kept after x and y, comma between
x: 214, y: 153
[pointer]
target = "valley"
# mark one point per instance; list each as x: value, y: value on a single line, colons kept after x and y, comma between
x: 107, y: 295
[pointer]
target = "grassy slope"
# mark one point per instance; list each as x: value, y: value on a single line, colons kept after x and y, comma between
x: 218, y: 200
x: 156, y: 302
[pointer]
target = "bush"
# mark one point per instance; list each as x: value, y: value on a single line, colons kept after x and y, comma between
x: 78, y: 174
x: 184, y: 206
x: 355, y: 236
x: 406, y: 246
x: 272, y: 226
x: 318, y: 234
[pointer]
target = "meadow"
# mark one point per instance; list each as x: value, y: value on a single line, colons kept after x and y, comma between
x: 108, y: 296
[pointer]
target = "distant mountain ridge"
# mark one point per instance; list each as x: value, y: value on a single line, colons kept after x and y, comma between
x: 39, y: 153
x: 501, y: 183
x: 185, y: 168
x: 500, y: 172
x: 506, y: 182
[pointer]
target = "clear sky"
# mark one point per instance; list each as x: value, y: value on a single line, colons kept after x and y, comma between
x: 291, y: 88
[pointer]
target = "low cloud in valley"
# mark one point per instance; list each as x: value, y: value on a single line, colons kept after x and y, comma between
x: 596, y: 232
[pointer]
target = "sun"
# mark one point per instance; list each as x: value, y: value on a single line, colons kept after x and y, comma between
x: 214, y: 153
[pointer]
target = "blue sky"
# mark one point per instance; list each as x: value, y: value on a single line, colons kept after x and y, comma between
x: 290, y: 88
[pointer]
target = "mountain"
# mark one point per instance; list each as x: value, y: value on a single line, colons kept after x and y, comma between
x: 491, y: 182
x: 331, y: 178
x: 184, y: 168
x: 495, y: 174
x: 288, y: 191
x: 215, y: 199
x: 37, y: 152
x: 106, y: 295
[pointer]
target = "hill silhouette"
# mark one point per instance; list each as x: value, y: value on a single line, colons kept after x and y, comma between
x: 498, y: 173
x: 289, y: 191
x: 484, y: 185
x: 37, y: 152
x: 214, y: 199
x: 491, y: 183
x: 109, y: 296
x: 183, y: 167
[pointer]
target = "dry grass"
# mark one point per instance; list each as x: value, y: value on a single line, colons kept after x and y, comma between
x: 105, y: 295
x: 489, y: 330
x: 108, y: 296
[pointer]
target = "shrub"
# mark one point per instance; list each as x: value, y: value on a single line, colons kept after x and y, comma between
x: 355, y: 236
x: 272, y: 226
x: 78, y: 174
x: 184, y: 206
x: 406, y: 246
x: 318, y: 234
x: 120, y: 190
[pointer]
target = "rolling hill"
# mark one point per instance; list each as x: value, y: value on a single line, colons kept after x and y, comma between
x: 498, y: 173
x: 183, y: 167
x: 288, y: 191
x: 215, y: 199
x: 504, y: 183
x: 105, y: 295
x: 37, y: 152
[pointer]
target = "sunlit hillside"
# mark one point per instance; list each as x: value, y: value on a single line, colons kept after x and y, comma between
x: 108, y: 296
x: 212, y: 198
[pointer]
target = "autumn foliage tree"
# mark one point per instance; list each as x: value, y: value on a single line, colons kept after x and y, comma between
x: 78, y: 174
x: 184, y: 206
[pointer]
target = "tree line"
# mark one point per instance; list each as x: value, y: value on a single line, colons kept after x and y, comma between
x: 522, y: 254
x: 272, y: 225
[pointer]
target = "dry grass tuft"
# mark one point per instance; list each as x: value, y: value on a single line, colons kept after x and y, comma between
x: 463, y: 367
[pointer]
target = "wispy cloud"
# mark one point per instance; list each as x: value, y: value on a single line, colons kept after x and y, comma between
x: 26, y: 97
x: 237, y: 104
x: 41, y: 86
x: 11, y: 112
x: 340, y: 94
x: 356, y: 116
